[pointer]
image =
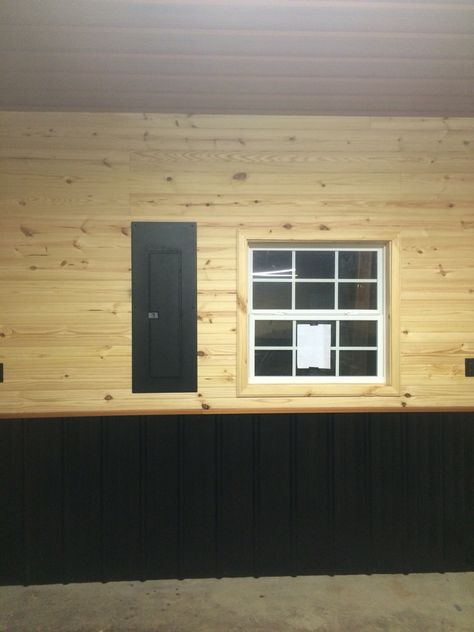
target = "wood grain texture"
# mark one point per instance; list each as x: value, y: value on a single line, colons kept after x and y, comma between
x: 70, y: 185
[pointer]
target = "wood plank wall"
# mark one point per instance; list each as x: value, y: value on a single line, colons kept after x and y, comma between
x: 71, y: 183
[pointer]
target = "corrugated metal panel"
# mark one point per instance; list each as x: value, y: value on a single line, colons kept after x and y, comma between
x: 193, y: 496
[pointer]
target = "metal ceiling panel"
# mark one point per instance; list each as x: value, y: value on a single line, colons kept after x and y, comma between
x: 239, y: 56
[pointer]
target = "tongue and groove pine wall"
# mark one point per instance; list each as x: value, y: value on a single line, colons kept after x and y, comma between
x: 71, y: 183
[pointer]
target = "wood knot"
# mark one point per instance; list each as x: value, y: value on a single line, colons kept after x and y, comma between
x: 108, y: 397
x: 240, y: 175
x: 241, y: 303
x: 288, y: 226
x: 407, y: 395
x: 201, y: 353
x: 205, y: 406
x: 323, y: 227
x: 404, y: 404
x: 28, y: 232
x: 169, y: 179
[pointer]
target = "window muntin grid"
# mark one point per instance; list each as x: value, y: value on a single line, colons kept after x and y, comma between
x: 293, y: 311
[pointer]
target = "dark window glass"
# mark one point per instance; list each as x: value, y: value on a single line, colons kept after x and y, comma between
x: 322, y: 322
x: 273, y: 333
x: 357, y: 296
x: 272, y: 295
x: 314, y: 296
x: 314, y: 371
x: 358, y: 333
x: 358, y: 363
x: 273, y: 362
x: 315, y: 265
x: 357, y: 264
x: 272, y: 263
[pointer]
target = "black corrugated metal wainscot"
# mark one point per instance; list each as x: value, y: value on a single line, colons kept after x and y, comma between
x: 246, y: 495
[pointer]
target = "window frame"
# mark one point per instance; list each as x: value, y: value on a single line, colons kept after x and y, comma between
x: 336, y: 314
x: 248, y: 384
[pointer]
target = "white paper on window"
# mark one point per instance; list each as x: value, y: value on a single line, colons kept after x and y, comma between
x: 313, y: 347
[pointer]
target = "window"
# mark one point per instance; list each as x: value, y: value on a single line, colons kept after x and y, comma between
x: 318, y: 317
x: 316, y: 314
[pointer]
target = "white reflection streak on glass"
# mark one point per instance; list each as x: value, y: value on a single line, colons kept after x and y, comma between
x: 275, y: 273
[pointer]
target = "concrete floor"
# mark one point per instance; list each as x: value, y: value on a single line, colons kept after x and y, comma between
x: 394, y: 603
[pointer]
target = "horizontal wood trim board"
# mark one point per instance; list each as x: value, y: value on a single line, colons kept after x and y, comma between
x: 238, y: 411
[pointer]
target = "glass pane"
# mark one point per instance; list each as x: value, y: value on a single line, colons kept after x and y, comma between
x: 272, y: 295
x: 358, y: 333
x: 313, y: 371
x: 358, y: 363
x: 314, y: 295
x: 273, y: 264
x: 315, y: 265
x: 322, y: 322
x: 273, y: 362
x: 357, y: 264
x: 357, y: 295
x: 273, y: 333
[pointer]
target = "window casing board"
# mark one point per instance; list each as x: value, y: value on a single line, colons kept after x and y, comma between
x: 252, y: 381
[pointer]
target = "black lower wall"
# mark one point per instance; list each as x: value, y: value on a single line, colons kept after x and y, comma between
x: 210, y: 496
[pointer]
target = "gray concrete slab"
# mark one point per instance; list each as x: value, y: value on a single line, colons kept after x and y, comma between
x: 379, y: 603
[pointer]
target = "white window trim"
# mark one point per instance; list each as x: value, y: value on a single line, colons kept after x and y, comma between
x: 311, y: 314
